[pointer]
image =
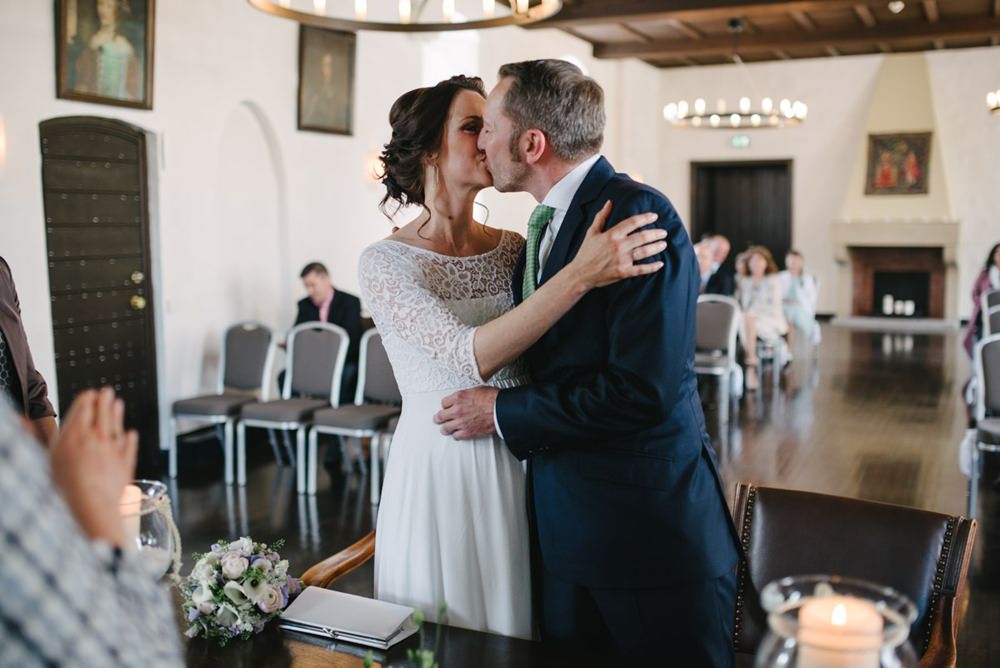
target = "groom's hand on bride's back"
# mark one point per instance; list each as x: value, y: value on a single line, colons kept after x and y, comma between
x: 468, y: 414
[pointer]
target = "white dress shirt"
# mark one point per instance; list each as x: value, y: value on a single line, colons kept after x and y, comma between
x: 559, y: 197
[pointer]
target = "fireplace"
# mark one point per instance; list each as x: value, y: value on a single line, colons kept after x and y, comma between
x: 898, y: 282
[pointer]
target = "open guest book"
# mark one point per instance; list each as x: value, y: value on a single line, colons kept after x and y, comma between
x: 348, y: 618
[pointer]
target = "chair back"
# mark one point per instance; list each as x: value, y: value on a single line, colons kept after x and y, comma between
x: 317, y: 351
x: 717, y: 322
x: 986, y: 360
x: 246, y: 357
x: 376, y: 381
x: 991, y: 321
x: 921, y: 554
x: 990, y: 299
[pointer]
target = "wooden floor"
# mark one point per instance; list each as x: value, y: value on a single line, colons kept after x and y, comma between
x: 871, y: 415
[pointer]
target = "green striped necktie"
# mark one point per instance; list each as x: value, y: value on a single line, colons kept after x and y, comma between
x: 540, y: 217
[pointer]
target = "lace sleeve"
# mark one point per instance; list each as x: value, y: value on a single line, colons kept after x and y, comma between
x: 401, y: 303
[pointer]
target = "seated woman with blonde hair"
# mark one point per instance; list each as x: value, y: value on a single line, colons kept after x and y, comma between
x: 760, y: 296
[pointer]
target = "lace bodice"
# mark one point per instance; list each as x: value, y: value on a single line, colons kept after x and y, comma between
x: 427, y: 307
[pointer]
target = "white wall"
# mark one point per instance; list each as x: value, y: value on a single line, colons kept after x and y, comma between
x: 825, y: 149
x: 244, y: 198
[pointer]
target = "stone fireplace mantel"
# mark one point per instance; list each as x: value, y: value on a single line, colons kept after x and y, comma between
x: 895, y: 233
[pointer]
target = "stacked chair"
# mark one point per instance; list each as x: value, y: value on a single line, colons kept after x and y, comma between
x: 717, y: 324
x: 316, y: 354
x: 376, y: 402
x: 990, y: 311
x: 246, y: 359
x: 986, y: 361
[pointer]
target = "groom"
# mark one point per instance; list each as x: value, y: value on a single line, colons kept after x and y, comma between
x: 635, y: 551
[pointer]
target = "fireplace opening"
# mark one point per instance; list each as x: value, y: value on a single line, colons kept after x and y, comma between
x: 901, y: 294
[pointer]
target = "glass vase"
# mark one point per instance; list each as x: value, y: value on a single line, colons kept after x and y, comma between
x: 824, y: 621
x: 149, y: 526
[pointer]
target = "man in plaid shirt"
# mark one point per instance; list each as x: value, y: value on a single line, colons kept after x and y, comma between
x: 69, y: 595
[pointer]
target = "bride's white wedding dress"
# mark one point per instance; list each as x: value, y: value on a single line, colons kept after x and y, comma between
x: 452, y: 525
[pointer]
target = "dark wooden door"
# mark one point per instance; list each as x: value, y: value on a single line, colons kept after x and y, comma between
x: 97, y: 229
x: 748, y: 202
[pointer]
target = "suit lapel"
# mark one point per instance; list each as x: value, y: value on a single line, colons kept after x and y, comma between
x: 592, y: 185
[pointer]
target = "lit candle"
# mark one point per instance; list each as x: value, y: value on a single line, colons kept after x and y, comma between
x: 839, y: 632
x: 130, y: 506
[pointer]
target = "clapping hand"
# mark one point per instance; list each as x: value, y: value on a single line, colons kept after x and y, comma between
x: 92, y: 460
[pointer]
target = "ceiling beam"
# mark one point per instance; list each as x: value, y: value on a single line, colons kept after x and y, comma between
x: 931, y: 11
x: 684, y: 29
x: 592, y: 12
x: 865, y: 14
x: 638, y: 34
x: 832, y: 51
x: 803, y: 20
x: 902, y: 33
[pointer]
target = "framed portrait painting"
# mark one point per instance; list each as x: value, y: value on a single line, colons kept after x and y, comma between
x: 326, y: 80
x: 105, y: 51
x: 898, y: 164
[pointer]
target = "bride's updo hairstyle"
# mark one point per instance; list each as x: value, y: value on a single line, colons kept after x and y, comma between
x: 418, y: 120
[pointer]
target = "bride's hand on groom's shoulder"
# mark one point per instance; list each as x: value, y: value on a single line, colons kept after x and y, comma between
x: 467, y: 414
x: 606, y: 257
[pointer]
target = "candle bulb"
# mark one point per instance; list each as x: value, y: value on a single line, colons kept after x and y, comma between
x: 130, y: 507
x: 839, y: 632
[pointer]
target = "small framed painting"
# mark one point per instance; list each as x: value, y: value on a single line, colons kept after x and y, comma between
x: 105, y: 51
x: 898, y: 164
x: 326, y: 80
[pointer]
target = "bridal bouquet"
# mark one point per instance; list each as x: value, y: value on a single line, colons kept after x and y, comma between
x: 235, y: 589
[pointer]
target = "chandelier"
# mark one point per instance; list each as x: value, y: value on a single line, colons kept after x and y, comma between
x: 767, y: 115
x: 744, y: 114
x: 410, y: 15
x: 993, y: 101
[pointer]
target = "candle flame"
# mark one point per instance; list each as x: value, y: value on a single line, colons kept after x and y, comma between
x: 839, y: 617
x: 319, y: 6
x: 404, y: 11
x: 489, y: 9
x: 361, y: 9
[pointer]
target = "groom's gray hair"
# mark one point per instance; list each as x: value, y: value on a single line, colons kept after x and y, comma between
x: 554, y: 96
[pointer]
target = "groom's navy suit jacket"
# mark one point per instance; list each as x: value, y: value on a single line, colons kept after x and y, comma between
x: 623, y: 480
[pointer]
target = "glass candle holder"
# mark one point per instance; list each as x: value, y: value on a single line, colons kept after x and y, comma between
x: 149, y: 526
x: 824, y: 621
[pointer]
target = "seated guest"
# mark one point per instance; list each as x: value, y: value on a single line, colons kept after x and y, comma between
x: 20, y: 383
x: 72, y: 596
x: 721, y: 280
x: 760, y: 297
x: 327, y: 304
x: 800, y: 293
x: 706, y: 258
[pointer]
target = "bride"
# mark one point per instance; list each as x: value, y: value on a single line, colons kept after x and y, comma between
x: 452, y: 527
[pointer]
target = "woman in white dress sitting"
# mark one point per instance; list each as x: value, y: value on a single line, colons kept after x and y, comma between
x: 452, y: 527
x: 760, y: 296
x: 801, y: 290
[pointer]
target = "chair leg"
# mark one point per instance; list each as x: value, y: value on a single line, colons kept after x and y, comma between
x: 974, y: 481
x: 273, y: 441
x: 362, y: 465
x: 241, y: 454
x: 286, y: 439
x: 227, y: 451
x: 724, y: 382
x: 376, y: 468
x: 313, y: 460
x: 172, y: 465
x: 300, y: 459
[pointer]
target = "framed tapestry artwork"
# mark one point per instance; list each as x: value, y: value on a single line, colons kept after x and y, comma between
x: 326, y: 80
x: 898, y: 164
x: 104, y: 51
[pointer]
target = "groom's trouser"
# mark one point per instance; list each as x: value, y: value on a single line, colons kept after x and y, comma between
x: 688, y: 625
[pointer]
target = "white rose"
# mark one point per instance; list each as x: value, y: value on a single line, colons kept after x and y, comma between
x: 201, y: 594
x: 226, y: 615
x: 233, y: 566
x: 203, y: 572
x: 270, y: 600
x: 244, y: 545
x: 234, y: 592
x: 281, y: 568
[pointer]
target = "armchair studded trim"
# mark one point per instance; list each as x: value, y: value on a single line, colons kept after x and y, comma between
x: 940, y: 547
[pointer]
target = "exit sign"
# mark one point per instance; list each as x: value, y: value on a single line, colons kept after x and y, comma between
x: 740, y: 141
